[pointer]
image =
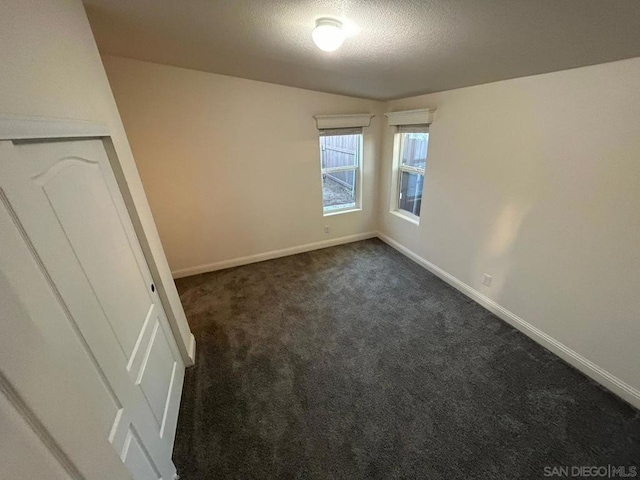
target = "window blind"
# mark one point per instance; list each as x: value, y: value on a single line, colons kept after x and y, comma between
x: 424, y: 128
x: 330, y: 132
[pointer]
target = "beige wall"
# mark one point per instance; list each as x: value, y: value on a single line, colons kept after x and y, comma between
x: 51, y: 68
x: 536, y: 181
x: 231, y: 166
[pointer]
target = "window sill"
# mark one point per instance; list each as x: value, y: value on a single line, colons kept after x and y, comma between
x: 406, y: 216
x: 338, y: 212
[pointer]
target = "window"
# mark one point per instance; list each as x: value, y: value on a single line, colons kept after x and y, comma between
x: 340, y: 159
x: 413, y: 143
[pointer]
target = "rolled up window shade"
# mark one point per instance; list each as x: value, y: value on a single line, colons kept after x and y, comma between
x: 330, y: 132
x: 424, y: 128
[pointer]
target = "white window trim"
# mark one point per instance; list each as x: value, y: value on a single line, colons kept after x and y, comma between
x: 324, y: 122
x: 407, y: 216
x: 421, y: 116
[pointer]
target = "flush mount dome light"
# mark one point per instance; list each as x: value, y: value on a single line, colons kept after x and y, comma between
x: 328, y: 34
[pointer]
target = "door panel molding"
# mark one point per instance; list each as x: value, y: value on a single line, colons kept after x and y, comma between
x: 70, y: 230
x: 46, y: 376
x: 136, y: 355
x: 137, y: 459
x: 38, y: 428
x: 62, y: 304
x: 28, y: 128
x: 44, y: 177
x: 93, y: 191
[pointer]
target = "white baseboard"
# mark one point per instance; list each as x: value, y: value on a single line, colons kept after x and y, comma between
x: 192, y: 350
x: 606, y: 379
x: 260, y: 257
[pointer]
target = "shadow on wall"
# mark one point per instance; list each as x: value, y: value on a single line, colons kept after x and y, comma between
x: 500, y: 245
x: 563, y: 271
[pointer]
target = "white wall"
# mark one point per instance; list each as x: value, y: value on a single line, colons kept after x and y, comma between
x: 536, y: 181
x: 231, y: 166
x: 51, y: 68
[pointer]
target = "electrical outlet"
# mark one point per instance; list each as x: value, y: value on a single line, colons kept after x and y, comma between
x: 327, y: 229
x: 486, y: 280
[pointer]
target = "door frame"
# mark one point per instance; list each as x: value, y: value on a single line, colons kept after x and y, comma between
x: 21, y: 127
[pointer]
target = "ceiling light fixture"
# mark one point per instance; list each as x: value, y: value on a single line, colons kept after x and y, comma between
x: 328, y: 34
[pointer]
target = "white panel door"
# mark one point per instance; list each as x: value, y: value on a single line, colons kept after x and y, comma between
x: 65, y: 198
x: 16, y: 439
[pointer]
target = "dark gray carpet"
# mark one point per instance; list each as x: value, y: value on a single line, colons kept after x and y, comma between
x: 355, y: 363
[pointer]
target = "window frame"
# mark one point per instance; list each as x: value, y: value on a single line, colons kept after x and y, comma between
x: 401, y: 168
x: 357, y: 169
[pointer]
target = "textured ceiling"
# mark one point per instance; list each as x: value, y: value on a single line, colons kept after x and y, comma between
x: 393, y: 49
